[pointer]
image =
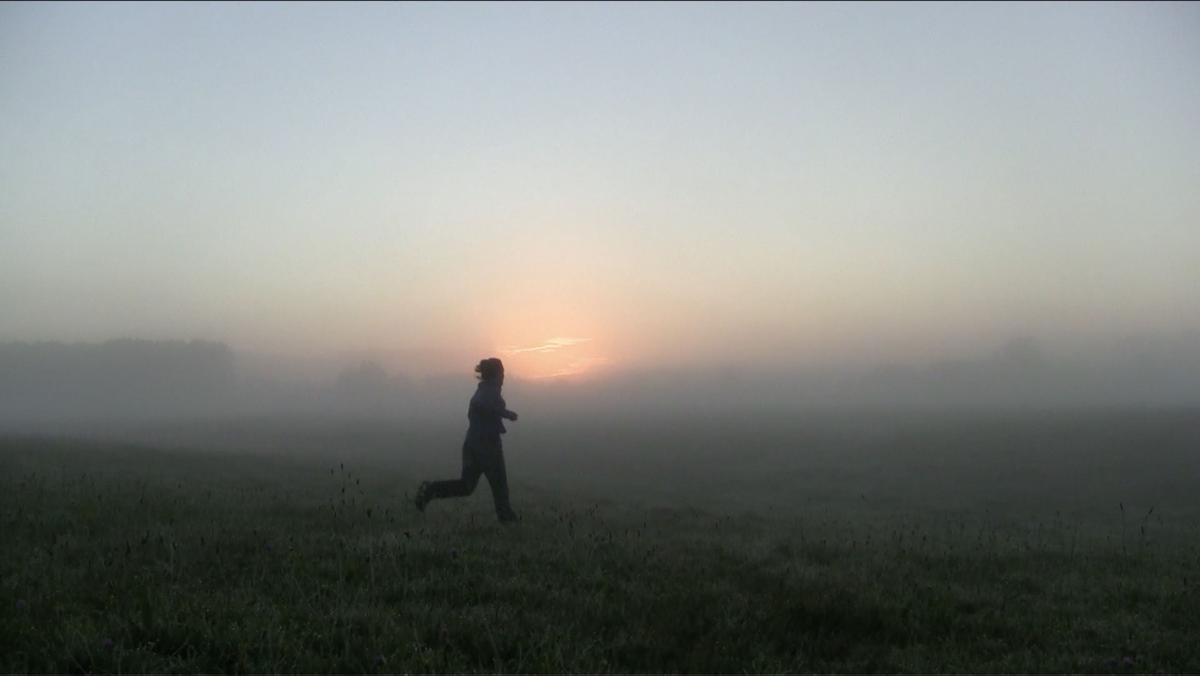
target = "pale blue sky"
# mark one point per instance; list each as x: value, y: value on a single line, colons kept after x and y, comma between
x: 669, y: 181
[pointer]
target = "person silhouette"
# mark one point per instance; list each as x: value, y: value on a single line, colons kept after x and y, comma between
x: 482, y: 452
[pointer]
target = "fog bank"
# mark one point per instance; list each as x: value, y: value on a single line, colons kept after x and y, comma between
x: 138, y: 380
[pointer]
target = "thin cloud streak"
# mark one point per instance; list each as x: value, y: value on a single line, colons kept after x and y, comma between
x: 551, y: 345
x: 574, y: 368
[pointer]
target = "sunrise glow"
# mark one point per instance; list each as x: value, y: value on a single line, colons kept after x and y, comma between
x: 557, y: 357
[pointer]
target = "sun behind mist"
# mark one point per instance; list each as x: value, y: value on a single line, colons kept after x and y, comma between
x: 556, y: 357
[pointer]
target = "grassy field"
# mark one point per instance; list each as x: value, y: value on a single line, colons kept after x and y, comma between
x: 1003, y: 542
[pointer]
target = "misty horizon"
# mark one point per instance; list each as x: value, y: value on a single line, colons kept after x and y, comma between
x: 130, y: 380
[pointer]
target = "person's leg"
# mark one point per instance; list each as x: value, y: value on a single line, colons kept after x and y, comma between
x: 456, y: 488
x: 497, y: 476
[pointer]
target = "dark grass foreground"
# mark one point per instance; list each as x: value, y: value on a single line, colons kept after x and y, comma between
x: 115, y: 559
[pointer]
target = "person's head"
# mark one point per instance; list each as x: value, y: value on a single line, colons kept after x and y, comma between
x: 490, y: 370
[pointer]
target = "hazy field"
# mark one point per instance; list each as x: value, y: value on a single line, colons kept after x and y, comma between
x: 840, y: 542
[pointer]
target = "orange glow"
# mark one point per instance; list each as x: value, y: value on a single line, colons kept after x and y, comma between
x: 557, y: 357
x: 545, y: 331
x: 529, y: 355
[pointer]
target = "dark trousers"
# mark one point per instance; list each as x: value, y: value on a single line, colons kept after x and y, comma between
x: 479, y: 457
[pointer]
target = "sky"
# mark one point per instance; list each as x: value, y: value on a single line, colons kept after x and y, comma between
x: 584, y: 188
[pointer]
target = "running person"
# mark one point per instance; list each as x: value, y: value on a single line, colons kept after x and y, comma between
x: 482, y: 452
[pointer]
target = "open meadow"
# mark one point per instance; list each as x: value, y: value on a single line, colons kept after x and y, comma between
x: 842, y: 542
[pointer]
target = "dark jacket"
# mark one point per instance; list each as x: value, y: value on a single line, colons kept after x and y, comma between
x: 486, y: 413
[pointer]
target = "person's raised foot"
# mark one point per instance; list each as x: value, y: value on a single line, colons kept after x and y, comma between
x: 423, y: 496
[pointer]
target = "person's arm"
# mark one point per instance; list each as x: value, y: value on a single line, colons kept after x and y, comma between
x: 502, y: 409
